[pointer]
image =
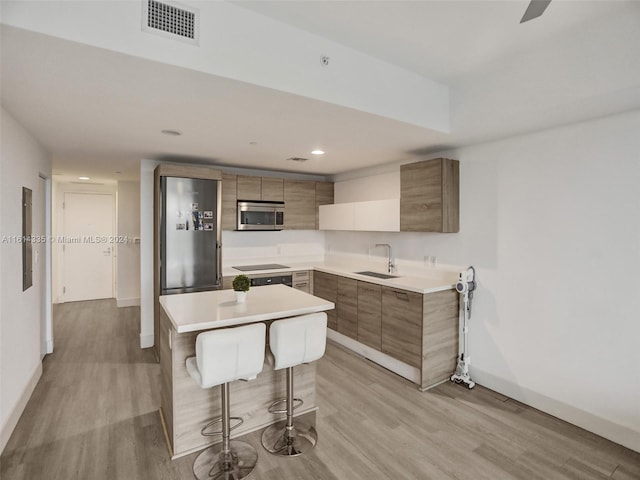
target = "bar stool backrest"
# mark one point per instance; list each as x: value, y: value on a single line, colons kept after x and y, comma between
x: 297, y: 340
x: 230, y: 354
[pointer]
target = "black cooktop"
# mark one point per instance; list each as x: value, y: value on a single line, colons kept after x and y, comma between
x: 264, y: 266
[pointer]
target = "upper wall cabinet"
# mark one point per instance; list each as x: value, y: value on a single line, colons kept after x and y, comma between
x: 324, y: 196
x: 371, y: 216
x: 299, y: 205
x: 272, y: 189
x: 429, y: 196
x: 302, y: 198
x: 250, y: 187
x: 229, y: 201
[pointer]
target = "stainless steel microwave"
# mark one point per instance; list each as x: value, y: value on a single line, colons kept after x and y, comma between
x: 255, y: 215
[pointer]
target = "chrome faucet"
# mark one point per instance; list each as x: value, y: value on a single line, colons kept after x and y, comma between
x: 390, y: 265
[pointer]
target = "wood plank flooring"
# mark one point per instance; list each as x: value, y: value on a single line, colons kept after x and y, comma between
x: 94, y: 415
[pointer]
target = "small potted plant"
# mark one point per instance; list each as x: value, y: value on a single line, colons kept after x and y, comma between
x: 241, y: 285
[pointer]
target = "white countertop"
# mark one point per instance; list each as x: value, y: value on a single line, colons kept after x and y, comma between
x: 192, y: 312
x: 432, y: 280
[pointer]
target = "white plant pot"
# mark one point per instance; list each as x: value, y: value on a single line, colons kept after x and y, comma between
x: 241, y: 297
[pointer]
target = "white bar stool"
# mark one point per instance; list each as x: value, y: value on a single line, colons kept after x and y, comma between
x: 223, y: 356
x: 294, y: 341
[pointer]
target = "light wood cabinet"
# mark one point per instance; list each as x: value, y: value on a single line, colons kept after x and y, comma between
x: 420, y: 330
x: 229, y: 201
x: 272, y: 189
x: 325, y: 286
x: 324, y: 196
x: 429, y: 196
x: 249, y: 187
x: 299, y: 205
x: 347, y: 307
x: 402, y: 325
x: 370, y: 314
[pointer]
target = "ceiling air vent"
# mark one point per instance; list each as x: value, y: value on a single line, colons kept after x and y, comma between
x: 297, y: 159
x: 170, y: 19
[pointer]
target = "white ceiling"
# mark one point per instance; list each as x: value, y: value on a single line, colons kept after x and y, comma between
x: 100, y: 112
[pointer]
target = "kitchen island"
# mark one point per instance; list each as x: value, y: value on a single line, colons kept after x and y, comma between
x: 186, y: 408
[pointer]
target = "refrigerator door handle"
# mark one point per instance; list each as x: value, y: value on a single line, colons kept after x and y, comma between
x: 219, y: 252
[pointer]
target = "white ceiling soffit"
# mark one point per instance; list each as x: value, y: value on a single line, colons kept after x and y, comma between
x: 95, y: 106
x: 240, y: 44
x: 90, y: 105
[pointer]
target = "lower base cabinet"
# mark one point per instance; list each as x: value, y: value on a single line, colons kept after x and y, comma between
x: 370, y: 314
x: 402, y: 325
x: 325, y: 286
x: 420, y: 330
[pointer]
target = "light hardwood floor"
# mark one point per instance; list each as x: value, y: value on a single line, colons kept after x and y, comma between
x: 94, y: 415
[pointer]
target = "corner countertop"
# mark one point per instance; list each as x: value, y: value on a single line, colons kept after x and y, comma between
x: 192, y: 312
x: 428, y: 281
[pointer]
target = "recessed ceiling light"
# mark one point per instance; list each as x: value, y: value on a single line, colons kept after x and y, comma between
x: 317, y: 152
x: 84, y: 178
x: 174, y: 133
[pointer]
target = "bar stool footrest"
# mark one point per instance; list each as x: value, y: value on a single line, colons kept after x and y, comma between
x: 297, y: 403
x: 239, y: 421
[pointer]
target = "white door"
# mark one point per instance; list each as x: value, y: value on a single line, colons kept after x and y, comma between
x: 88, y: 246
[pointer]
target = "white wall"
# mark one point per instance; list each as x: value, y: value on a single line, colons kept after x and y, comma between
x: 128, y: 251
x: 22, y: 160
x: 550, y: 221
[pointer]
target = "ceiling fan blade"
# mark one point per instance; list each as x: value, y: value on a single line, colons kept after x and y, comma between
x: 535, y: 9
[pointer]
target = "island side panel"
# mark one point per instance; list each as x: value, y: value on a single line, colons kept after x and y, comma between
x: 166, y: 373
x: 439, y: 336
x: 194, y: 407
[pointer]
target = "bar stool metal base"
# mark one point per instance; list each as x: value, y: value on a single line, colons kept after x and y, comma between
x: 289, y: 442
x: 211, y: 465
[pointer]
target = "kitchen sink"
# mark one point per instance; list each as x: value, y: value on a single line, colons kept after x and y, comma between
x: 376, y: 274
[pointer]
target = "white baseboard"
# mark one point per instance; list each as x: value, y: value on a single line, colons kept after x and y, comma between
x: 128, y: 302
x: 608, y: 429
x: 146, y: 341
x: 16, y: 412
x: 390, y: 363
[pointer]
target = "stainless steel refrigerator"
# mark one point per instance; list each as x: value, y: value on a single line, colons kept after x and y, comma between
x: 190, y: 236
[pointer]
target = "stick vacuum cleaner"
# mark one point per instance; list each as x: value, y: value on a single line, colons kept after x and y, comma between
x: 465, y: 287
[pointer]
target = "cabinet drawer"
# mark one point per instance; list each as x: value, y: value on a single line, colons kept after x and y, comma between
x: 402, y: 325
x: 301, y: 276
x: 304, y: 286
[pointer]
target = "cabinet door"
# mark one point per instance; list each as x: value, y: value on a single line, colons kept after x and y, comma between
x: 299, y: 205
x: 370, y: 314
x: 273, y: 189
x: 325, y: 286
x: 229, y: 201
x: 324, y: 196
x: 429, y: 196
x: 421, y: 196
x: 347, y: 307
x: 249, y: 187
x: 402, y: 325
